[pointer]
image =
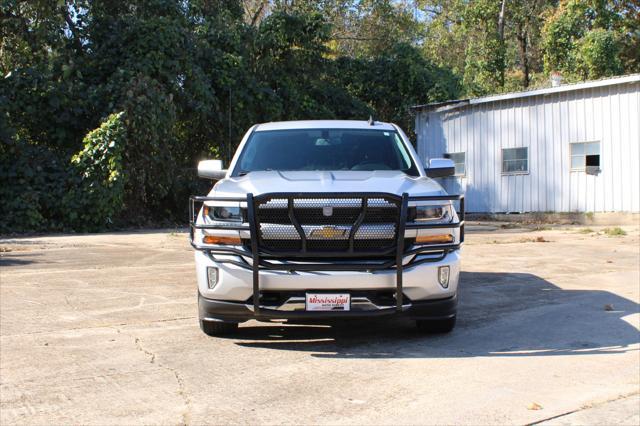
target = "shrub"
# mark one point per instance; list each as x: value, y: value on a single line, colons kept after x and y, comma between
x: 149, y: 158
x: 97, y: 198
x: 33, y: 183
x: 614, y: 232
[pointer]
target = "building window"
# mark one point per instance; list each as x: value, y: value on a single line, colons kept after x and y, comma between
x: 515, y: 160
x: 585, y: 156
x: 458, y: 160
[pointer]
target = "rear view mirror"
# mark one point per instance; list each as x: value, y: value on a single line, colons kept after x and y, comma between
x: 440, y: 167
x: 211, y: 169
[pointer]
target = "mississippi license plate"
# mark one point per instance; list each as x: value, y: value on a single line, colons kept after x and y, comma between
x: 328, y: 301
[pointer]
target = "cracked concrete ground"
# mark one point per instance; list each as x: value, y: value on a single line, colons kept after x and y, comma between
x: 102, y: 329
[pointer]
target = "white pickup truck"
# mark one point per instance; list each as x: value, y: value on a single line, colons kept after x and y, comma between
x: 320, y: 220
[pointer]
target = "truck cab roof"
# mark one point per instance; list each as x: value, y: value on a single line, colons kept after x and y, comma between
x: 323, y: 124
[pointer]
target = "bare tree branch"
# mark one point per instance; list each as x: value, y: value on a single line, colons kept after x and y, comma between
x: 501, y: 20
x: 258, y: 12
x: 72, y: 27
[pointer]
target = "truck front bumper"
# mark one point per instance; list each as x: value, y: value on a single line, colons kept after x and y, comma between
x: 218, y: 310
x: 231, y: 298
x: 235, y: 284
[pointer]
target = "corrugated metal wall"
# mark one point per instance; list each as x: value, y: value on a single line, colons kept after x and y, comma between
x: 546, y: 124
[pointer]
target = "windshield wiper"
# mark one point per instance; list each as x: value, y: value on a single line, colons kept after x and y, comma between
x: 246, y: 172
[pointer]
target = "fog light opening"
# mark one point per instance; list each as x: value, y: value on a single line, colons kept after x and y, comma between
x: 212, y: 277
x: 443, y: 276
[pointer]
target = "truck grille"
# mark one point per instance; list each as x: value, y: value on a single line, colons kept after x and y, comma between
x: 325, y: 224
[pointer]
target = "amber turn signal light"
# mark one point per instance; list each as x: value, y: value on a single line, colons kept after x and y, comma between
x: 435, y: 239
x: 214, y: 239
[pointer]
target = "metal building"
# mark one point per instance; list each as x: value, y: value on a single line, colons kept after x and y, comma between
x: 571, y: 148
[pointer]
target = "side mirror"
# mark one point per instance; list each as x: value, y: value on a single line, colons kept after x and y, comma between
x: 211, y: 169
x: 440, y: 167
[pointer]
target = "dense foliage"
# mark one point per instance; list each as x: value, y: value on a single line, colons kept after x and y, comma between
x: 506, y: 45
x: 590, y: 39
x: 106, y: 107
x: 96, y: 196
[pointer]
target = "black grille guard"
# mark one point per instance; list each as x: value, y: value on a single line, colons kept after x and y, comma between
x: 262, y: 259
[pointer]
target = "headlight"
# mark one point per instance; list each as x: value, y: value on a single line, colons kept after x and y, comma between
x: 229, y: 214
x: 432, y: 214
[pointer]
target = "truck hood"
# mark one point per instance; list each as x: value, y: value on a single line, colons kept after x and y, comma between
x: 394, y: 182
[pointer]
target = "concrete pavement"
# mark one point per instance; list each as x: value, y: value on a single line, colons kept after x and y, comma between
x: 102, y: 329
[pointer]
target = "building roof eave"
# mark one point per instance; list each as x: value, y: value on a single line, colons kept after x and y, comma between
x: 453, y: 104
x: 441, y: 106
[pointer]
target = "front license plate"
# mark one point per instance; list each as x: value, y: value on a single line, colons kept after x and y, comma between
x: 328, y: 301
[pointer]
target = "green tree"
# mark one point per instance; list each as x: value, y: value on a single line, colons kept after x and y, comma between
x: 583, y: 39
x: 597, y: 54
x: 493, y: 44
x: 524, y: 21
x: 397, y: 79
x: 369, y: 28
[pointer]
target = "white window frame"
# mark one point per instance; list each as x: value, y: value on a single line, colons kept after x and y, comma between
x: 520, y: 172
x: 583, y: 155
x: 464, y: 161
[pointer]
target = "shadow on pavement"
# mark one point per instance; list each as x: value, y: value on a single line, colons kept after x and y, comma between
x: 18, y: 259
x: 500, y: 314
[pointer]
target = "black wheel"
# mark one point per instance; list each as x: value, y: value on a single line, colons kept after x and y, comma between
x: 436, y: 326
x: 218, y: 328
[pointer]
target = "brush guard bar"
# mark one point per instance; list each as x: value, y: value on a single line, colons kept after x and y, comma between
x: 263, y: 259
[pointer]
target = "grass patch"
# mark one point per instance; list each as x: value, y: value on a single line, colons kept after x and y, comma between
x: 540, y: 239
x: 585, y: 231
x: 175, y: 233
x: 614, y: 232
x: 510, y: 226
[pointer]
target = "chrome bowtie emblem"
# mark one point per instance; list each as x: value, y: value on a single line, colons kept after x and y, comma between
x: 327, y: 211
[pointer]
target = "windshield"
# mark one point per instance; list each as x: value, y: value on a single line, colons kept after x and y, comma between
x: 325, y: 150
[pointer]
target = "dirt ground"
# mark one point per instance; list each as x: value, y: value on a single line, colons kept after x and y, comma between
x: 102, y: 329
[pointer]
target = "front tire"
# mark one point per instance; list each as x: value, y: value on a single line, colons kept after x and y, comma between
x: 218, y: 328
x: 442, y: 326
